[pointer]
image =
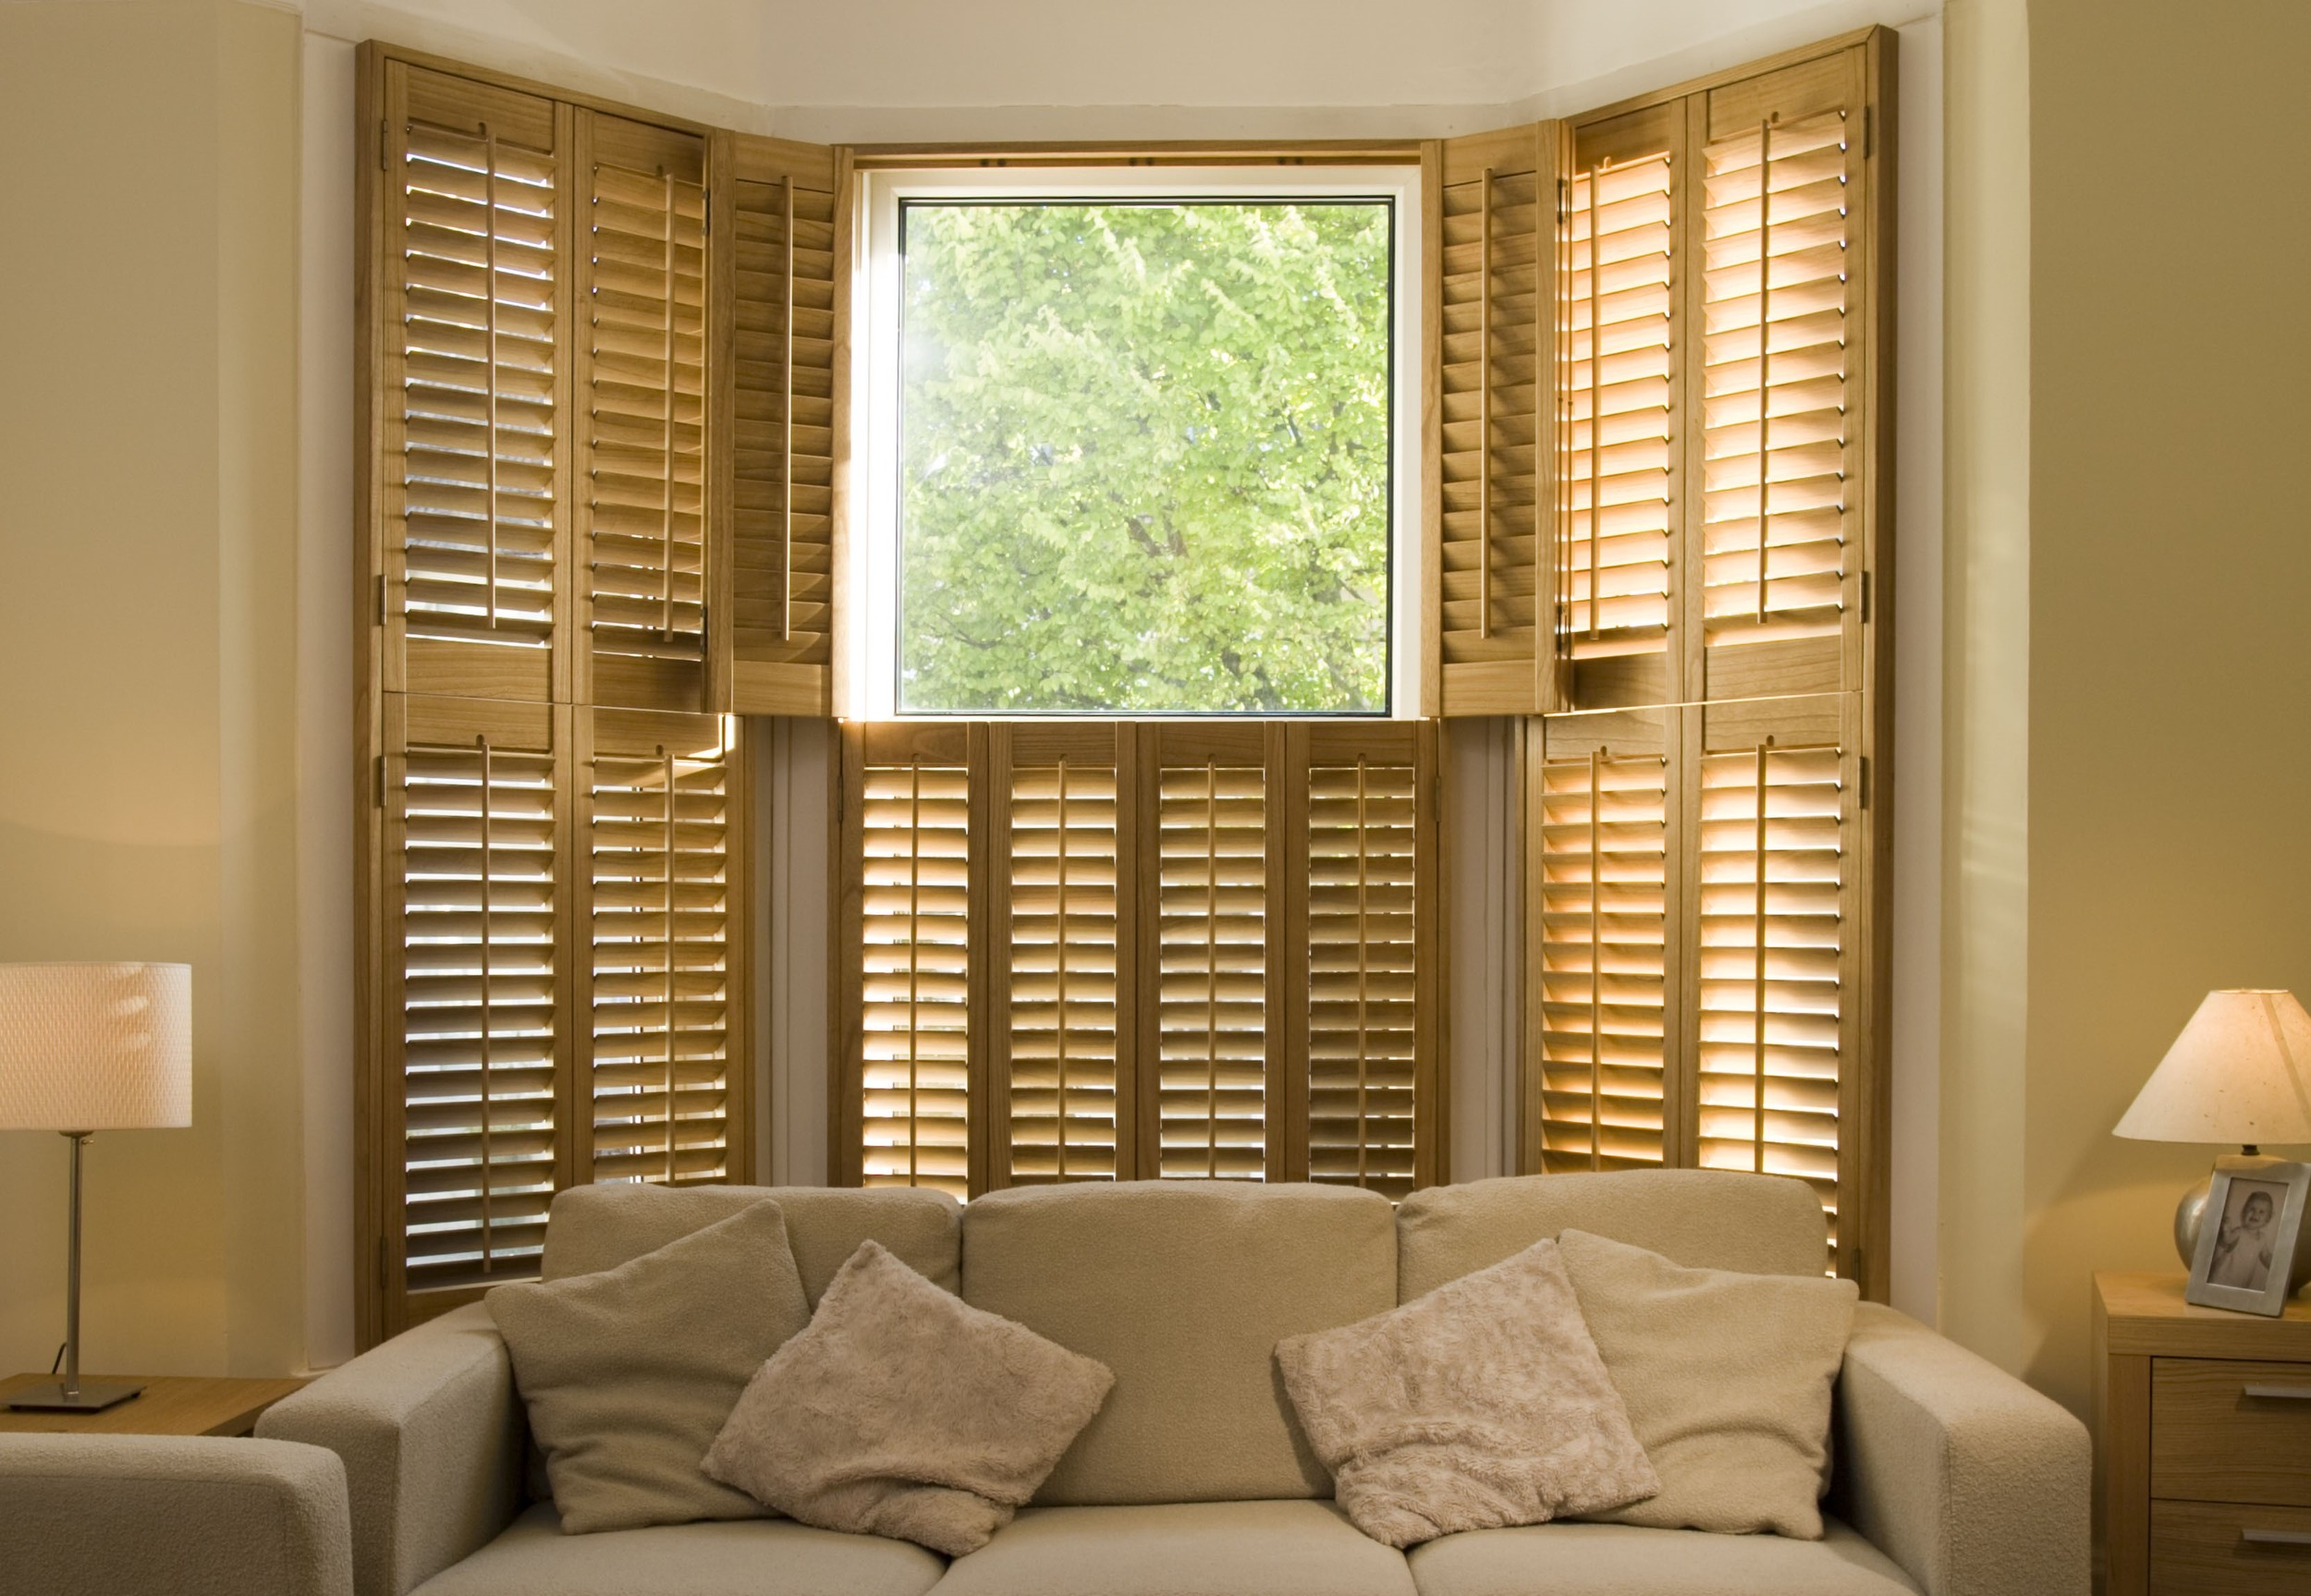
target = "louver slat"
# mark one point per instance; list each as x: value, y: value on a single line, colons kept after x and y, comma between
x: 1603, y: 886
x: 785, y: 259
x: 913, y: 832
x: 1785, y: 307
x: 1367, y: 1042
x: 663, y: 913
x: 473, y: 304
x: 1497, y: 354
x: 642, y: 412
x: 474, y: 986
x: 1069, y: 956
x: 1776, y: 900
x: 1619, y: 517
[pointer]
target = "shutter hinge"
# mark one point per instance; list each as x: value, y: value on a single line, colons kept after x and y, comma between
x: 382, y: 609
x: 1564, y: 195
x: 377, y: 780
x: 1864, y: 783
x: 1866, y: 598
x: 383, y: 140
x: 1869, y: 131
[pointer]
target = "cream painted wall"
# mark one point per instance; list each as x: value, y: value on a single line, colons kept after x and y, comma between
x: 147, y: 472
x: 2169, y: 684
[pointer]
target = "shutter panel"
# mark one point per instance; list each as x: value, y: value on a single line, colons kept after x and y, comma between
x: 1778, y: 900
x: 663, y: 804
x: 1782, y: 200
x: 1214, y: 908
x: 1372, y: 1078
x: 906, y: 794
x: 471, y: 297
x: 1619, y: 520
x: 642, y: 412
x: 786, y: 260
x: 1066, y: 981
x: 1603, y: 884
x: 475, y: 975
x: 1492, y: 330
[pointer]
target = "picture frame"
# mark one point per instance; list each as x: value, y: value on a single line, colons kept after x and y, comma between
x: 2247, y: 1244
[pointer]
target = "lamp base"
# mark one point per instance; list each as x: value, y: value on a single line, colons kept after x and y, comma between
x: 94, y: 1396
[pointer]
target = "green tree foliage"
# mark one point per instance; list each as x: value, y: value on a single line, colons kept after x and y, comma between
x: 1145, y: 457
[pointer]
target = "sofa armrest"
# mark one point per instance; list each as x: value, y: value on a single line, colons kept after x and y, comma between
x: 430, y: 1429
x: 171, y: 1515
x: 1975, y: 1483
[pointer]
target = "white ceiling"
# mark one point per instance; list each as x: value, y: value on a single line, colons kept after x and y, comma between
x: 868, y: 68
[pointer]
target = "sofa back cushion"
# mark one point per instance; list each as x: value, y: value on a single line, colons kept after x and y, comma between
x: 591, y: 1228
x: 1701, y: 1218
x: 1182, y: 1288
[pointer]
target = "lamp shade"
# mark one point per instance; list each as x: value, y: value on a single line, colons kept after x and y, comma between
x: 2239, y: 1074
x: 95, y: 1046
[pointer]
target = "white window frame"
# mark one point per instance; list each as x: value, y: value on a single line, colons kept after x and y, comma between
x: 872, y: 547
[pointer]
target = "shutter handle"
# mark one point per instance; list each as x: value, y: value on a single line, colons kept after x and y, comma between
x: 2278, y: 1393
x: 2276, y: 1537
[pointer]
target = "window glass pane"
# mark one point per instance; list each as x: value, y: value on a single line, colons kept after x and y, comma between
x: 1145, y: 457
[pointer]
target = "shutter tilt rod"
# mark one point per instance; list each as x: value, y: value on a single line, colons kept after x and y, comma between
x: 1597, y: 870
x: 1059, y: 949
x: 786, y: 456
x: 488, y: 1233
x: 489, y: 301
x: 670, y: 872
x: 665, y: 621
x: 1485, y: 411
x: 1757, y: 1016
x: 1364, y: 978
x: 1597, y: 398
x: 1765, y: 354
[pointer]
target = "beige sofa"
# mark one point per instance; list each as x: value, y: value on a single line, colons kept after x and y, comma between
x: 1953, y: 1479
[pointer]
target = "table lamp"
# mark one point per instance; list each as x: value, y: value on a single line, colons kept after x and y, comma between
x: 2239, y: 1075
x: 84, y: 1048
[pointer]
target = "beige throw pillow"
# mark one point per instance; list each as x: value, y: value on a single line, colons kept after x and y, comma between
x: 1482, y: 1403
x: 1728, y: 1378
x: 629, y: 1373
x: 903, y: 1412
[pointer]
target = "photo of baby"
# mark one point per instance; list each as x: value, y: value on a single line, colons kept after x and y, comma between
x: 2244, y: 1245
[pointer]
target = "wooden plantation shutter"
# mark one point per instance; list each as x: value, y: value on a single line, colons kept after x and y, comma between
x: 1103, y: 950
x: 661, y: 802
x: 552, y: 896
x: 1492, y: 334
x: 643, y: 411
x: 1723, y: 547
x: 477, y: 988
x: 468, y: 296
x: 1604, y: 898
x: 782, y: 270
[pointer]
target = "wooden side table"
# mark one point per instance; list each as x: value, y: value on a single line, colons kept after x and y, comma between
x: 2205, y: 1417
x: 171, y: 1405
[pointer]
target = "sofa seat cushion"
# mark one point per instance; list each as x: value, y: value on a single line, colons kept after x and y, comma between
x: 732, y: 1557
x: 1701, y: 1218
x: 1182, y: 1549
x: 1620, y: 1560
x: 1183, y: 1289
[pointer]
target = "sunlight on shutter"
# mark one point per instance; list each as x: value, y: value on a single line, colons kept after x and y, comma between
x: 473, y: 266
x: 1776, y: 223
x: 916, y: 893
x: 1771, y: 862
x: 662, y: 990
x: 1603, y: 903
x: 477, y: 937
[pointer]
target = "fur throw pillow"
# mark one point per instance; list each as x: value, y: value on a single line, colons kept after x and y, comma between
x: 904, y: 1411
x: 1481, y: 1404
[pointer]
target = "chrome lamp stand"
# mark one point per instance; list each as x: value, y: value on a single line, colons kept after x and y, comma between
x: 69, y: 1394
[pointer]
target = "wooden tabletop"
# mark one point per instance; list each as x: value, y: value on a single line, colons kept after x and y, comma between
x: 2145, y: 1314
x: 171, y: 1405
